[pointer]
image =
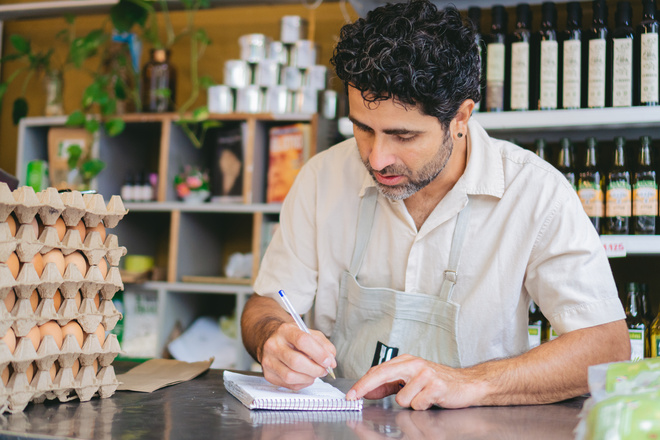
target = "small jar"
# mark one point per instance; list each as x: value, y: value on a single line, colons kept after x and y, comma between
x: 158, y: 83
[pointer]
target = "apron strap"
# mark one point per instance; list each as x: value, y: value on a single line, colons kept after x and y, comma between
x: 451, y: 274
x: 365, y: 222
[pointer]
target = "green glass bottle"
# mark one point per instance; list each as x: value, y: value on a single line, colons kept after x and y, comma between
x: 565, y: 162
x: 645, y: 191
x: 589, y: 187
x: 618, y: 192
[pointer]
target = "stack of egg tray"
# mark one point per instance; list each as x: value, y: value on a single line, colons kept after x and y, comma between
x: 73, y: 206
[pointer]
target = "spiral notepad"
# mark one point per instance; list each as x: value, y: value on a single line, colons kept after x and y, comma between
x: 255, y: 392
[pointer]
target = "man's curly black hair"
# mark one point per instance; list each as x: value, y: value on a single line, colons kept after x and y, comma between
x: 414, y: 53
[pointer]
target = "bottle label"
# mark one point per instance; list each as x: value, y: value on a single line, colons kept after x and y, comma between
x: 534, y: 333
x: 520, y: 76
x: 655, y: 344
x: 572, y: 80
x: 553, y: 334
x: 495, y: 76
x: 596, y: 82
x: 645, y: 198
x: 649, y: 68
x: 549, y: 66
x: 617, y: 203
x: 636, y: 344
x: 622, y: 77
x: 592, y: 199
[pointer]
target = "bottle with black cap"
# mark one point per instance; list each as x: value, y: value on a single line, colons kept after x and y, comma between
x: 570, y: 59
x: 647, y: 54
x: 541, y: 150
x: 496, y: 61
x: 474, y: 17
x: 546, y: 61
x: 589, y: 186
x: 597, y: 71
x: 622, y: 57
x: 645, y: 191
x: 618, y: 190
x: 565, y: 162
x: 520, y: 64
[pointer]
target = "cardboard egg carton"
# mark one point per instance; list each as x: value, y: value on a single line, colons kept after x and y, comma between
x: 88, y: 381
x: 75, y: 288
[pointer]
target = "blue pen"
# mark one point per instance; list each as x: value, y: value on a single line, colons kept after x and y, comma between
x: 300, y: 323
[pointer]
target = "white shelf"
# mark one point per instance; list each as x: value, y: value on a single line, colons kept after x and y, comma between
x: 584, y: 119
x: 197, y: 287
x: 631, y: 244
x: 238, y: 208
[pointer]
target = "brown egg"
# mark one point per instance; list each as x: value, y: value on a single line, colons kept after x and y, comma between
x: 34, y: 300
x: 35, y: 226
x: 10, y: 300
x: 100, y: 334
x: 38, y: 263
x: 55, y: 256
x: 103, y: 267
x: 53, y: 329
x: 100, y: 229
x: 5, y: 375
x: 13, y: 225
x: 35, y: 336
x: 60, y: 227
x: 80, y: 227
x: 10, y: 339
x: 75, y: 367
x: 73, y: 328
x: 79, y: 260
x: 53, y: 370
x: 57, y: 300
x: 78, y: 299
x: 95, y: 365
x: 30, y: 372
x: 97, y: 300
x: 13, y: 264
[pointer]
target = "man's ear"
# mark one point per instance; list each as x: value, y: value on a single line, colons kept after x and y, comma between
x: 460, y: 122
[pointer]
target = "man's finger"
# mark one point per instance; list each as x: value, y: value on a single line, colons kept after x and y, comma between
x: 310, y: 346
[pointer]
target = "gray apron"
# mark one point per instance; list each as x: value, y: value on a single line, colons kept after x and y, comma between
x: 418, y: 324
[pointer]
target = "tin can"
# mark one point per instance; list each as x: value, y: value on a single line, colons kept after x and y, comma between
x: 303, y: 54
x: 237, y: 73
x: 249, y: 99
x: 292, y: 77
x: 267, y: 73
x: 254, y: 47
x: 292, y: 28
x: 220, y: 99
x: 329, y: 104
x: 277, y: 51
x: 278, y: 100
x: 305, y: 101
x: 316, y: 77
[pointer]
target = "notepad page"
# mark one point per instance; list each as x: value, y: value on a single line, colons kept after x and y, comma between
x: 255, y: 392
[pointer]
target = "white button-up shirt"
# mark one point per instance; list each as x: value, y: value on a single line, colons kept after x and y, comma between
x: 528, y: 238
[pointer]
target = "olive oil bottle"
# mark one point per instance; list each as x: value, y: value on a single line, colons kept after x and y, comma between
x: 597, y: 71
x: 520, y: 59
x: 645, y: 191
x: 637, y: 325
x: 541, y: 150
x: 538, y: 326
x: 589, y: 187
x: 647, y: 65
x: 622, y: 57
x: 496, y: 61
x: 618, y: 207
x: 570, y: 58
x: 655, y: 336
x: 546, y: 74
x: 565, y: 162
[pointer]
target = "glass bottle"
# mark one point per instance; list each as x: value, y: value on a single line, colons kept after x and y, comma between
x: 538, y: 326
x: 541, y: 150
x: 597, y: 71
x: 474, y: 15
x: 496, y: 60
x: 565, y: 163
x: 570, y: 84
x: 589, y: 187
x: 53, y: 86
x: 618, y: 190
x: 647, y: 53
x: 637, y: 326
x: 520, y: 61
x: 548, y: 65
x: 645, y: 191
x: 655, y: 336
x: 622, y: 57
x: 158, y: 83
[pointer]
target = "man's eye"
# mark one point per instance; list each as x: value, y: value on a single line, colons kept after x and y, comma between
x: 405, y: 138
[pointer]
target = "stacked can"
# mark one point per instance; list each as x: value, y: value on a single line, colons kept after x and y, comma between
x: 276, y: 77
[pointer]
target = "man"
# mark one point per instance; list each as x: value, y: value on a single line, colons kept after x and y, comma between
x: 426, y: 237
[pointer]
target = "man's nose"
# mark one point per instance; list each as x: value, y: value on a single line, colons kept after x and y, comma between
x: 382, y: 154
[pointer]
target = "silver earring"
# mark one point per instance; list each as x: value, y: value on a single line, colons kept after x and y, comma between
x: 460, y: 135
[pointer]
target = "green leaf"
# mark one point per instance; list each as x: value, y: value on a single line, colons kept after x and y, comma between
x: 92, y: 125
x: 120, y: 90
x: 11, y: 57
x: 22, y: 45
x: 70, y: 18
x: 114, y: 127
x: 108, y: 107
x: 74, y: 151
x: 206, y: 81
x: 163, y: 93
x: 62, y: 34
x: 200, y: 114
x: 20, y: 110
x: 3, y: 89
x: 201, y: 36
x: 77, y: 118
x: 211, y: 123
x: 91, y: 168
x: 93, y: 94
x: 125, y: 14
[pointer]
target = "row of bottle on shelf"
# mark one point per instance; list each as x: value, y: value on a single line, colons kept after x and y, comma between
x: 643, y: 325
x: 576, y: 68
x: 619, y: 199
x: 139, y: 187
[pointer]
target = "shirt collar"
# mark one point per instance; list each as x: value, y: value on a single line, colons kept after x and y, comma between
x: 484, y: 173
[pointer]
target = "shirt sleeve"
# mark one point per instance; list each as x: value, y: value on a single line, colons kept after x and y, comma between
x: 569, y: 276
x: 290, y: 262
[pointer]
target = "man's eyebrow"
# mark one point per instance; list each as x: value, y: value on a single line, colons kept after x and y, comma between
x: 390, y: 131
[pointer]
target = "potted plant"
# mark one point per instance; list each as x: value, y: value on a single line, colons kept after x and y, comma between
x: 192, y: 184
